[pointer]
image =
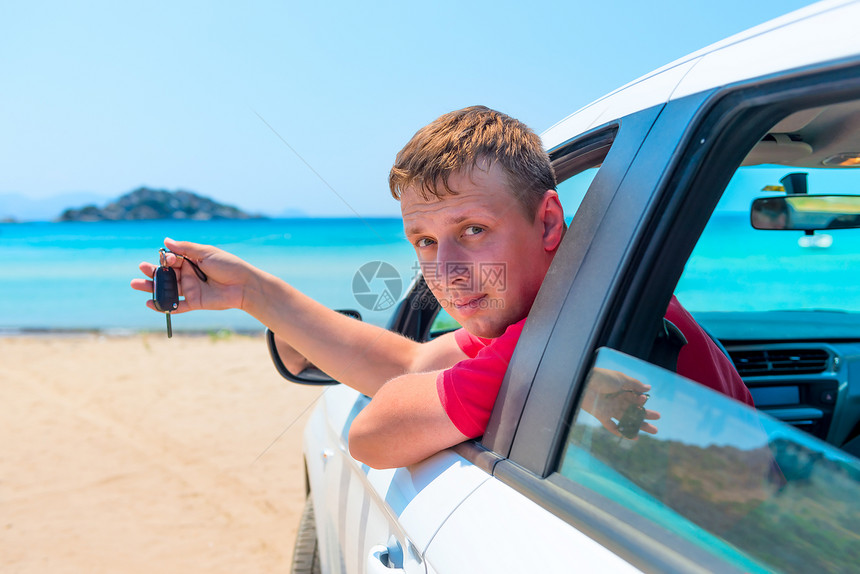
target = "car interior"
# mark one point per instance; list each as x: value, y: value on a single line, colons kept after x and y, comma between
x: 783, y: 295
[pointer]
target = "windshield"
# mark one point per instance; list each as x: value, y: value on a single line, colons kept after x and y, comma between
x: 735, y: 268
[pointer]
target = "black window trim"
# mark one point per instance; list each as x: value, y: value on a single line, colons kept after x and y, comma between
x: 581, y: 303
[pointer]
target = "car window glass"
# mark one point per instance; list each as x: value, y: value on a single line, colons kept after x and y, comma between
x: 572, y: 191
x: 715, y: 472
x: 775, y: 275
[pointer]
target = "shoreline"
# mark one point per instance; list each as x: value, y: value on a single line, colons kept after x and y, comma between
x: 38, y: 332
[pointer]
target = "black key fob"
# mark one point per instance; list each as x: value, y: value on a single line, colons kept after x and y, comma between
x: 630, y: 421
x: 165, y: 291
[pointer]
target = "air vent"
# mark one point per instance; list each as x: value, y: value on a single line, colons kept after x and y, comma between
x: 768, y: 363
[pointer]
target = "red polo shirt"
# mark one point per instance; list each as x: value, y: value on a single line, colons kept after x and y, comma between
x: 468, y: 390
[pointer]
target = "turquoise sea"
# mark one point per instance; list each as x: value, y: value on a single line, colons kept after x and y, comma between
x: 75, y: 276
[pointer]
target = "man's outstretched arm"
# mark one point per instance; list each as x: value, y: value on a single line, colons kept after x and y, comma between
x: 360, y: 355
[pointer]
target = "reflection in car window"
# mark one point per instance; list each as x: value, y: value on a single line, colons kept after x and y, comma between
x: 721, y: 475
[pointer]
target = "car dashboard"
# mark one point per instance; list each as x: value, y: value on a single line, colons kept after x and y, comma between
x: 801, y: 367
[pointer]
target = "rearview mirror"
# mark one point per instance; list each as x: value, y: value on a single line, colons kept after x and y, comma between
x: 309, y: 375
x: 806, y: 212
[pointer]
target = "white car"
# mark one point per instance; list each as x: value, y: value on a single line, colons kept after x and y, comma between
x: 660, y: 178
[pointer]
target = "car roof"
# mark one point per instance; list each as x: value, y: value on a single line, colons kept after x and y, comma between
x: 825, y: 31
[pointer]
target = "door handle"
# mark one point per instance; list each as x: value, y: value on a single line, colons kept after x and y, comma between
x: 382, y: 560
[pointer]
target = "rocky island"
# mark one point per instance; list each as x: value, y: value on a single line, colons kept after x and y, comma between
x: 145, y: 203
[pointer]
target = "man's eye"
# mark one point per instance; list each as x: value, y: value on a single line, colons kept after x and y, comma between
x: 424, y: 242
x: 473, y: 230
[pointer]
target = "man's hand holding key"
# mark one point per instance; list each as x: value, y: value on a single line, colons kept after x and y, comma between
x: 165, y: 290
x: 179, y: 283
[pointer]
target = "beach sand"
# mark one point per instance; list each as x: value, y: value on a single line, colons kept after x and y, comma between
x: 143, y: 454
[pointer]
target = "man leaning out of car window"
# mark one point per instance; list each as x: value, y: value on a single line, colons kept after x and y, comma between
x: 477, y: 195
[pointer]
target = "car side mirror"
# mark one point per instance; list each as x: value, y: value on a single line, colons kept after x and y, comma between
x: 309, y: 375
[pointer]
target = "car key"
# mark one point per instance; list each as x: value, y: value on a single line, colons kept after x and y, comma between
x: 632, y: 420
x: 165, y: 291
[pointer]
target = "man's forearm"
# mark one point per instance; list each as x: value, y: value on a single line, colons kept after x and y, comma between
x: 404, y: 424
x: 360, y: 355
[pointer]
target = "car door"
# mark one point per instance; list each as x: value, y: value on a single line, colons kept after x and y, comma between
x: 720, y: 487
x: 370, y: 520
x: 497, y: 528
x: 385, y: 520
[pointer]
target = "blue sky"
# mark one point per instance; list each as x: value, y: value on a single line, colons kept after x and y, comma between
x: 104, y: 97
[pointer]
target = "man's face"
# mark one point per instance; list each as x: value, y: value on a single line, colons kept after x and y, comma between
x: 482, y: 257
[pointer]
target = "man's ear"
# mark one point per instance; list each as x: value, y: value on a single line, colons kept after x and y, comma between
x: 551, y: 215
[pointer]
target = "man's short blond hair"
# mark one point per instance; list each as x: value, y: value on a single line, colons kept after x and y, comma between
x: 474, y: 137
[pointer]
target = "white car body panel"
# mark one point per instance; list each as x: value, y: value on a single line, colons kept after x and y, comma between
x: 403, y: 506
x: 444, y: 500
x: 515, y: 535
x: 644, y: 93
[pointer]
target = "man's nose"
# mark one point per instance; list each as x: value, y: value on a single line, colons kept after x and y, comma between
x: 453, y: 266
